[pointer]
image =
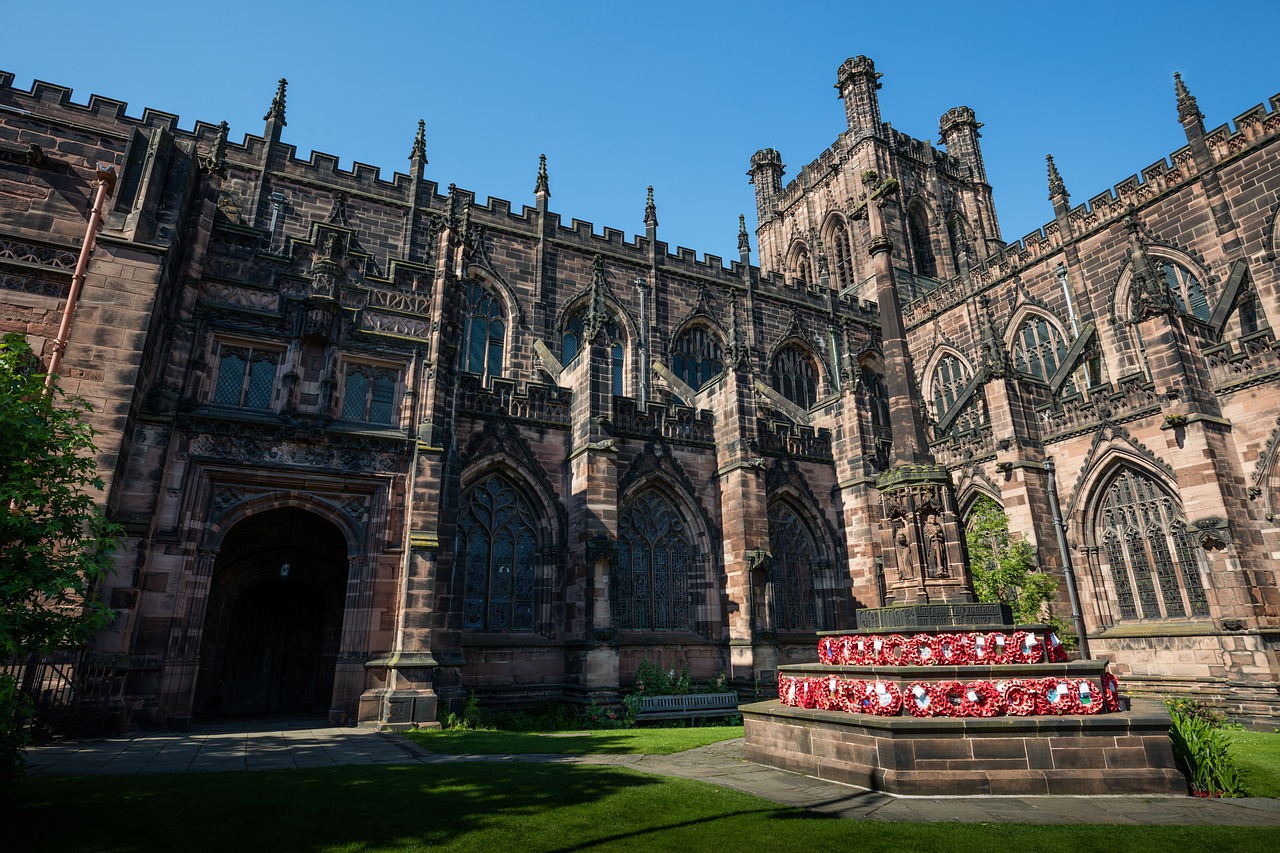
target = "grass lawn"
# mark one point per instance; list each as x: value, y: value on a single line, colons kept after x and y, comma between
x: 649, y: 741
x: 499, y: 807
x: 1258, y: 754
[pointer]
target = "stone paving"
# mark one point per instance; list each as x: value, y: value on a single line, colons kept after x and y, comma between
x: 295, y: 744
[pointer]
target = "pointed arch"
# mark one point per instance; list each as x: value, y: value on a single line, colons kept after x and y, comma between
x: 837, y: 236
x: 216, y: 530
x: 874, y: 401
x: 920, y: 233
x: 484, y: 329
x: 1037, y: 342
x: 797, y: 575
x: 800, y: 263
x: 620, y: 329
x: 1147, y: 559
x: 1188, y: 282
x: 498, y: 545
x: 795, y: 371
x: 656, y: 583
x: 697, y: 352
x: 945, y: 375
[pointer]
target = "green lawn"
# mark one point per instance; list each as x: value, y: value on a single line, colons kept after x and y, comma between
x: 649, y: 741
x: 1258, y: 755
x: 498, y: 807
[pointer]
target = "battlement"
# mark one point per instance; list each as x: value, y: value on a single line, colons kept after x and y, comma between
x: 1253, y: 128
x: 47, y: 102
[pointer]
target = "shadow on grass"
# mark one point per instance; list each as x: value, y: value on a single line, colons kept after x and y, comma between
x: 654, y: 741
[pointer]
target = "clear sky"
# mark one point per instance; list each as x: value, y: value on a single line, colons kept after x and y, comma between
x: 677, y: 95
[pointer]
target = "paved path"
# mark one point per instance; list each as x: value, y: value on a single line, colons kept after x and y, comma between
x: 299, y: 744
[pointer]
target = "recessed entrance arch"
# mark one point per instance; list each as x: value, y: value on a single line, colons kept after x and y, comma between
x: 274, y: 622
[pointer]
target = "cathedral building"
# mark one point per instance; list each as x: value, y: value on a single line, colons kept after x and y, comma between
x: 376, y: 444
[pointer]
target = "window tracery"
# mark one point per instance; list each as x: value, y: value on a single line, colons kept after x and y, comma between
x: 484, y: 332
x: 795, y: 564
x: 497, y: 546
x: 697, y: 357
x: 1154, y: 568
x: 574, y: 341
x: 795, y: 376
x: 246, y: 376
x: 651, y: 588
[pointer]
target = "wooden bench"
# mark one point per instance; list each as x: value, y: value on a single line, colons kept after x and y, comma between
x: 689, y: 706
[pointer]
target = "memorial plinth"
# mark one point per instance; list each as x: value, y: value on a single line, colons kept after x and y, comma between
x: 959, y: 709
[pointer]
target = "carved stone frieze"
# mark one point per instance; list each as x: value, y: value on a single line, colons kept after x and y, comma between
x: 256, y: 444
x: 241, y: 297
x: 392, y: 324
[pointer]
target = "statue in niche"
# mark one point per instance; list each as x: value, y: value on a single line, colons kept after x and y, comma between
x: 902, y: 549
x: 935, y: 546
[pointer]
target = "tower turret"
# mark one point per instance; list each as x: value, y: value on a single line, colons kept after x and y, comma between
x: 766, y: 174
x: 958, y: 128
x: 857, y: 82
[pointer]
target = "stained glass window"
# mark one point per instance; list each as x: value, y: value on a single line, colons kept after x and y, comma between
x: 497, y: 546
x: 1155, y: 571
x: 795, y: 558
x: 698, y: 357
x: 651, y: 580
x: 845, y: 274
x: 484, y: 332
x: 795, y: 376
x: 246, y: 376
x: 949, y: 379
x: 877, y: 398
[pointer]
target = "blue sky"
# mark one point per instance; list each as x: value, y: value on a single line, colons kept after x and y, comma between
x: 678, y: 95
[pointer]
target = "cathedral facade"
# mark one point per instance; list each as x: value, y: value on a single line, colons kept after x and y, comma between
x: 376, y: 445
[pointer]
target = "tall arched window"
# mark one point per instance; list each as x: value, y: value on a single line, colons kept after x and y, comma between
x: 795, y: 376
x: 1188, y: 294
x: 1154, y: 568
x: 795, y: 564
x: 574, y: 341
x: 950, y: 376
x: 483, y: 330
x: 845, y: 273
x: 651, y: 582
x: 697, y: 356
x: 1039, y: 349
x: 497, y: 546
x: 877, y: 398
x: 921, y: 244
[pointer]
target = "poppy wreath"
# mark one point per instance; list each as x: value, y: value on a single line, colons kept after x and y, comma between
x: 821, y: 689
x: 787, y: 690
x: 990, y: 648
x: 981, y: 699
x: 1020, y: 698
x: 882, y: 698
x: 919, y: 699
x: 856, y: 650
x: 922, y: 650
x: 896, y: 651
x: 849, y: 693
x: 1025, y: 647
x: 827, y: 650
x: 1087, y: 697
x: 1055, y: 697
x: 949, y: 697
x: 954, y: 649
x: 1110, y: 692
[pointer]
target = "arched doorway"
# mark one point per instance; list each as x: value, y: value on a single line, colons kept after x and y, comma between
x: 274, y: 621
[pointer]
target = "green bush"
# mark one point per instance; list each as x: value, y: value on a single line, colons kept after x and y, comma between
x: 1203, y: 748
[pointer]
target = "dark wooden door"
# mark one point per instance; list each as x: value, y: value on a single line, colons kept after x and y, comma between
x: 274, y: 651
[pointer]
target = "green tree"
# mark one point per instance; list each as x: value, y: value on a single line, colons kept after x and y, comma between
x: 1004, y: 566
x: 55, y: 542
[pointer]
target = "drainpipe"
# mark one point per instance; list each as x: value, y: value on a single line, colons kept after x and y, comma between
x: 1058, y: 527
x: 105, y: 183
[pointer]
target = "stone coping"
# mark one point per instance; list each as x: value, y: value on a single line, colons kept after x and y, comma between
x: 940, y: 672
x: 1067, y: 725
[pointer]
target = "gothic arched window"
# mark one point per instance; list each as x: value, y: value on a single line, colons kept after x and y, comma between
x: 369, y: 394
x: 795, y: 376
x: 877, y: 397
x: 651, y: 582
x: 697, y: 357
x: 483, y: 332
x: 1186, y: 290
x: 1039, y: 348
x: 1154, y: 569
x: 921, y: 244
x: 845, y: 273
x: 574, y: 341
x: 795, y: 565
x: 950, y: 376
x: 801, y: 272
x: 497, y: 546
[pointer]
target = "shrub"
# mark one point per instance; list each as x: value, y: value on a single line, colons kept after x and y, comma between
x: 1203, y: 749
